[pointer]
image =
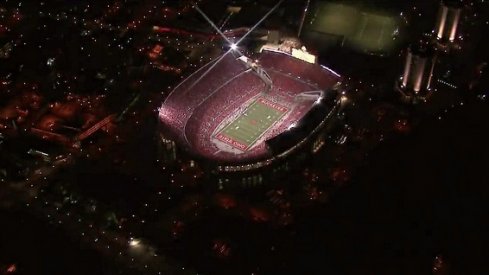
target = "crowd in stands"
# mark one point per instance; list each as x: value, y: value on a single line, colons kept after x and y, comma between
x: 189, y: 94
x: 206, y: 118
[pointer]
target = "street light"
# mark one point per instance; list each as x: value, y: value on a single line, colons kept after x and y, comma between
x: 134, y: 242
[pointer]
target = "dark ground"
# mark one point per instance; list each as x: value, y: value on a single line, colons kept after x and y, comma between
x: 420, y: 196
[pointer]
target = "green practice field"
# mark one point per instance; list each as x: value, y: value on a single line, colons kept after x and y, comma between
x: 364, y: 29
x: 249, y: 126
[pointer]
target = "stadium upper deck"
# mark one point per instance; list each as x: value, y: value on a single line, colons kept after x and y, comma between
x: 227, y: 114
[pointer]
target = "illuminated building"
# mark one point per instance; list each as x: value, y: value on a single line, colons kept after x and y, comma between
x: 447, y: 22
x: 415, y: 84
x: 212, y: 115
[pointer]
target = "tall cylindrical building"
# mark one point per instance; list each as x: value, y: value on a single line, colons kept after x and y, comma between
x: 448, y: 20
x: 415, y: 82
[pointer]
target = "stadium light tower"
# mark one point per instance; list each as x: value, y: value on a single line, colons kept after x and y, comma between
x: 303, y: 18
x: 233, y: 46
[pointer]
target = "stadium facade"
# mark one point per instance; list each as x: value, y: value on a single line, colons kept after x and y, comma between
x: 245, y: 117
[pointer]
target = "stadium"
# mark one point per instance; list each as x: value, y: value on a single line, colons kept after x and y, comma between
x: 241, y: 113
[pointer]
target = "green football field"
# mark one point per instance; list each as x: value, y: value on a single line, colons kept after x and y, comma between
x: 249, y: 126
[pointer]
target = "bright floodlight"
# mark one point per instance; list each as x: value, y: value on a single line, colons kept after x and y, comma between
x: 234, y: 47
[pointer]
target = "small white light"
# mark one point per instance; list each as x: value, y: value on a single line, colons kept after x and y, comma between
x: 234, y: 47
x: 134, y: 242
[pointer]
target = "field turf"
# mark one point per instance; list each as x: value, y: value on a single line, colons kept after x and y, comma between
x: 251, y: 124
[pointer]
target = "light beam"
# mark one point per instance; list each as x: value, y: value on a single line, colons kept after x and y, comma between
x: 259, y: 22
x: 217, y: 29
x: 232, y: 48
x: 208, y: 70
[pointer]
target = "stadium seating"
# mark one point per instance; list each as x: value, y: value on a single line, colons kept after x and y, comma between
x: 205, y: 118
x: 298, y: 68
x: 193, y: 91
